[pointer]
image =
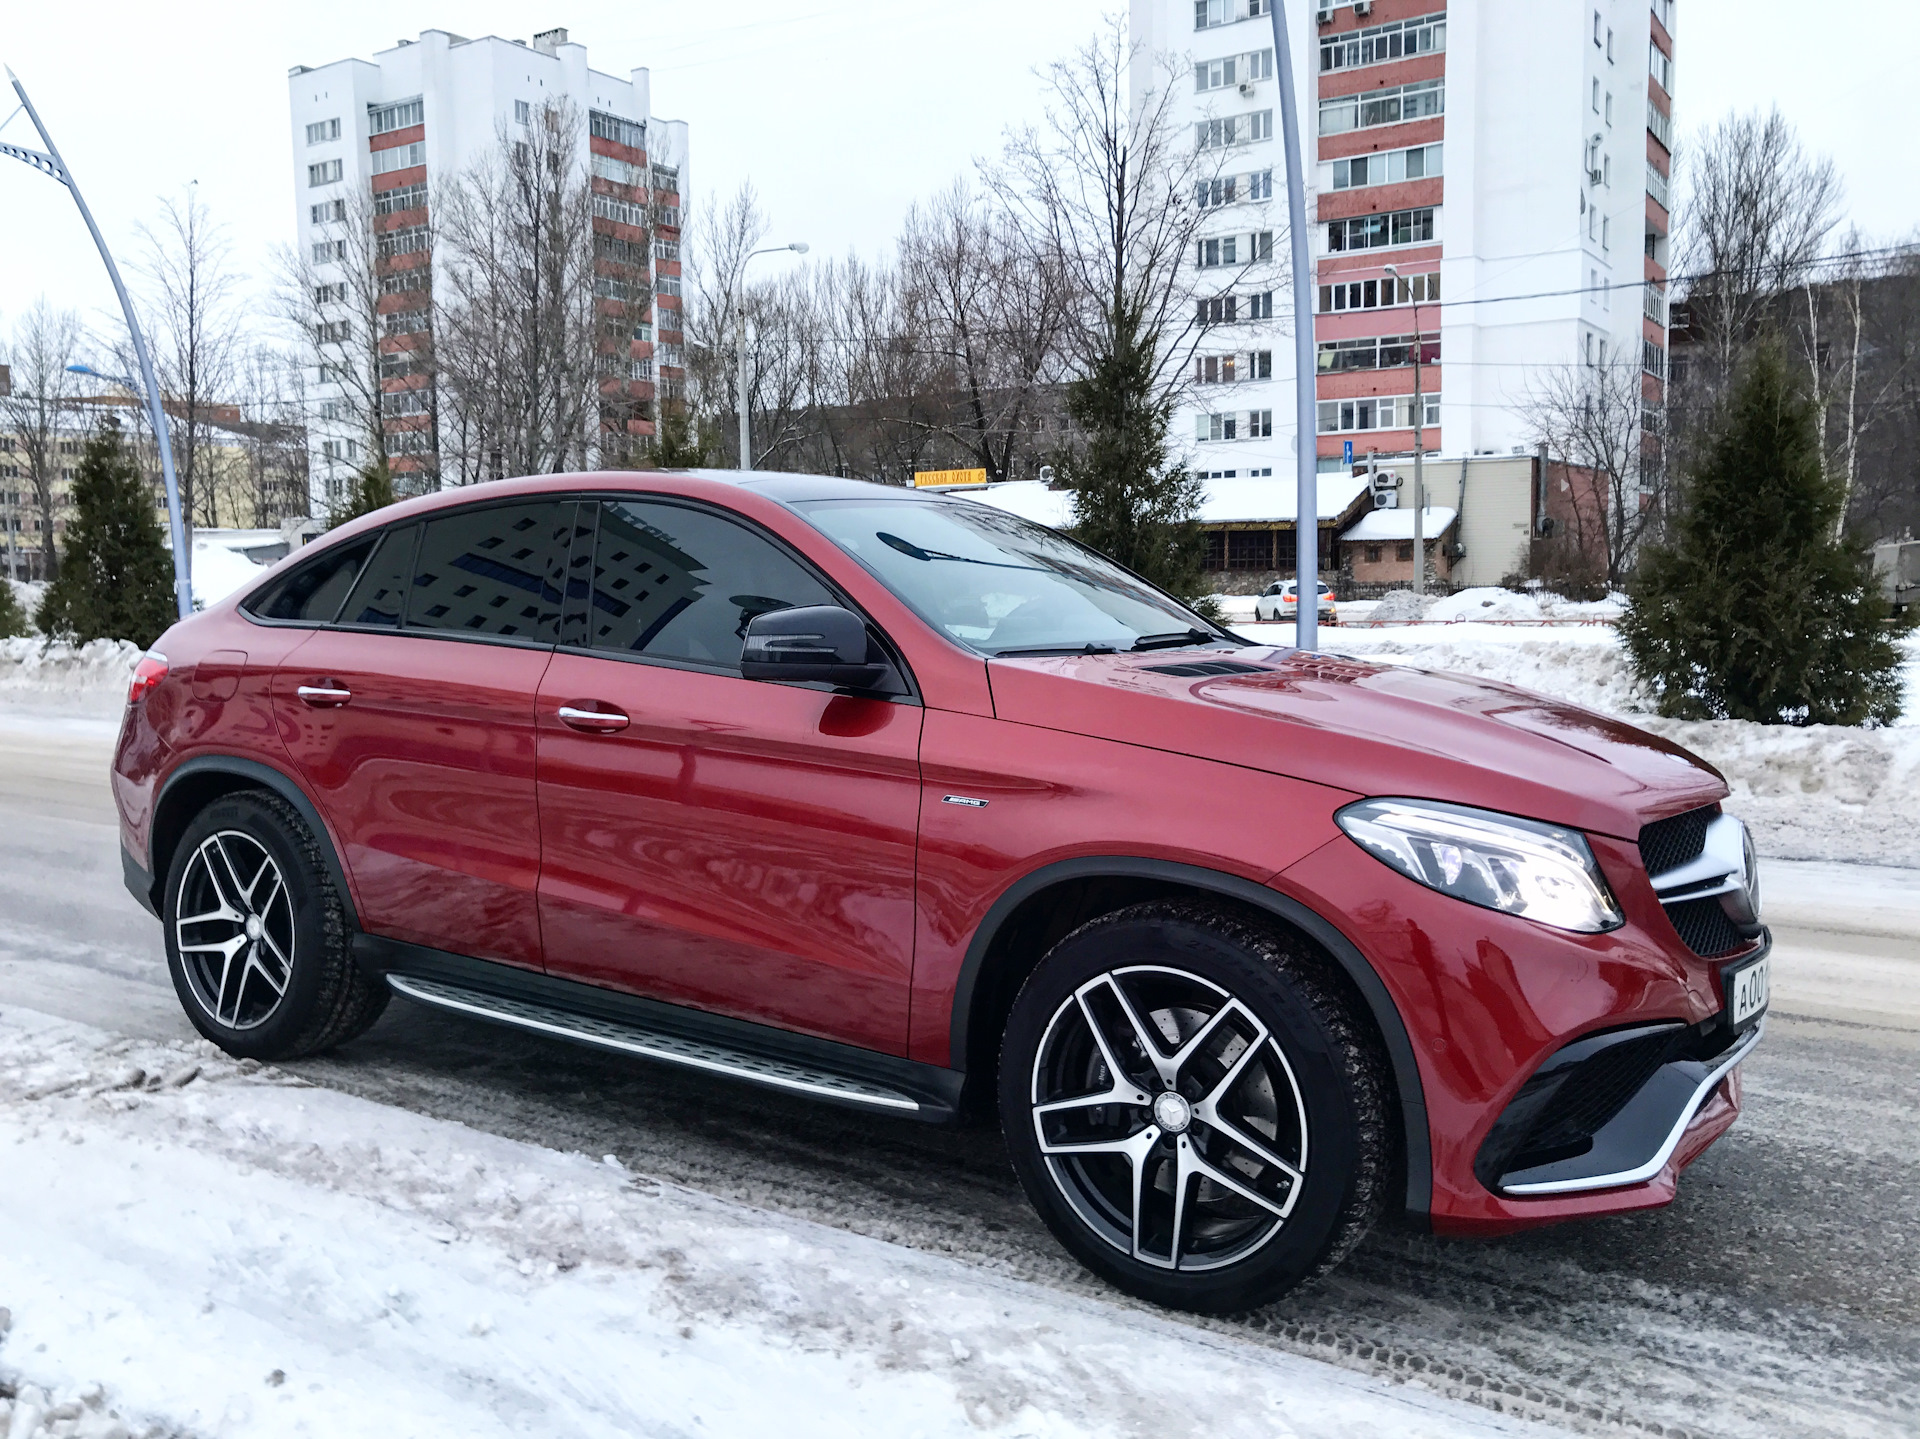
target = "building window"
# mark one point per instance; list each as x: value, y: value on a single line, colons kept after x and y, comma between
x: 1233, y: 369
x: 1377, y: 352
x: 1401, y: 40
x: 1391, y: 167
x: 406, y: 197
x: 329, y: 251
x: 321, y: 131
x: 1404, y: 552
x: 329, y: 294
x: 409, y: 241
x: 667, y: 177
x: 329, y: 210
x: 621, y: 211
x: 1609, y: 107
x: 381, y: 119
x: 331, y: 332
x: 1374, y: 232
x: 399, y: 157
x: 522, y: 113
x: 619, y: 172
x: 1383, y: 107
x: 1609, y: 45
x: 1606, y: 232
x: 1596, y: 97
x: 1661, y: 124
x: 1224, y: 74
x: 1234, y: 250
x: 1660, y: 66
x: 1379, y: 294
x: 1231, y: 189
x: 1230, y: 130
x: 631, y: 133
x: 327, y: 172
x: 666, y: 249
x: 1373, y: 554
x: 1383, y: 412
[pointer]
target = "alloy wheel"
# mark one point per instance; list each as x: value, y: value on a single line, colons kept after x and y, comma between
x: 234, y: 929
x: 1169, y: 1118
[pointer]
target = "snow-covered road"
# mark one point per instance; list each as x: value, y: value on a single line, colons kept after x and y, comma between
x: 1769, y: 1300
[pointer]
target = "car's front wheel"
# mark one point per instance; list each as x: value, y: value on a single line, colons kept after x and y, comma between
x: 258, y: 939
x: 1193, y: 1106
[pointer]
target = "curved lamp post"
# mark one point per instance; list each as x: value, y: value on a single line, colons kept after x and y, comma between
x: 50, y: 164
x: 799, y: 247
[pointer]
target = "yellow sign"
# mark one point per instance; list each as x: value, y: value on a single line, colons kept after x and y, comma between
x: 923, y: 478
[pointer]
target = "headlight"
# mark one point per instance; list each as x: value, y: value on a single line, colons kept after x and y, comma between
x: 1517, y: 866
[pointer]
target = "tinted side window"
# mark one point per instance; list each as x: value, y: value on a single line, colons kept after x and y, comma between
x: 313, y: 591
x: 493, y: 571
x: 681, y: 584
x: 381, y: 593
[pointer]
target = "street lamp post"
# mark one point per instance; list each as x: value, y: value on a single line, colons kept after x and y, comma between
x: 798, y: 247
x: 50, y: 164
x: 1419, y: 448
x: 1306, y: 512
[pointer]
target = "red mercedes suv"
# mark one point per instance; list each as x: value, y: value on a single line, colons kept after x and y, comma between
x: 895, y: 800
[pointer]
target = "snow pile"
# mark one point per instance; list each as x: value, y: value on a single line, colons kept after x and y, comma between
x: 219, y: 570
x: 1397, y: 607
x: 223, y: 1249
x: 53, y: 674
x: 1824, y: 792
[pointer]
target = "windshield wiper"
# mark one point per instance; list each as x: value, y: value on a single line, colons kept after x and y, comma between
x: 1087, y: 649
x: 1177, y: 640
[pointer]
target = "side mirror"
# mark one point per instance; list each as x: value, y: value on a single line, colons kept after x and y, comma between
x: 810, y: 642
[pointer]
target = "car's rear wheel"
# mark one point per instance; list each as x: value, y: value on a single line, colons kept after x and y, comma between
x: 1193, y: 1107
x: 258, y: 941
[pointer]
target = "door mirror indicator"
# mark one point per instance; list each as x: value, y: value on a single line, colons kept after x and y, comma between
x: 810, y: 642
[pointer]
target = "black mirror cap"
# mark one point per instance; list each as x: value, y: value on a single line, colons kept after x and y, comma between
x: 815, y: 643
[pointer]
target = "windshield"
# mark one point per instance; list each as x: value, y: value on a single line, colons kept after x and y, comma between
x: 1002, y: 585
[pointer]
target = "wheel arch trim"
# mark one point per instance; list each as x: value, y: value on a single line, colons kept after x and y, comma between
x: 1358, y: 969
x: 258, y: 776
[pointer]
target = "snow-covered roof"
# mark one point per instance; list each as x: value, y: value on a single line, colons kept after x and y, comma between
x: 1267, y: 500
x: 1378, y: 525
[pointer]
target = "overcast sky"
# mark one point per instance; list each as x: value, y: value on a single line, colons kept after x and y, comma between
x: 842, y: 112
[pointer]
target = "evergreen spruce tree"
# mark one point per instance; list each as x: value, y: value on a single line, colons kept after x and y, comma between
x: 682, y: 442
x: 371, y: 489
x: 13, y: 619
x: 116, y: 577
x: 1751, y: 609
x: 1129, y: 502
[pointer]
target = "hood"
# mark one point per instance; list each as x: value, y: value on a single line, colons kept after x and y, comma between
x: 1368, y: 728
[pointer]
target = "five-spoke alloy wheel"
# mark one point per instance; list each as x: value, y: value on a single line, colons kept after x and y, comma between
x: 258, y: 936
x: 1193, y: 1107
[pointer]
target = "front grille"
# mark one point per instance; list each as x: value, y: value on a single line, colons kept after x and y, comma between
x: 1199, y: 668
x: 1669, y: 843
x: 1704, y: 927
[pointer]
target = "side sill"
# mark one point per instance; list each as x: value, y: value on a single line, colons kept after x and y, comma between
x: 139, y: 883
x: 760, y: 1054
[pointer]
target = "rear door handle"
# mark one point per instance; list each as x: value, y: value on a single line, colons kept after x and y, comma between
x: 323, y: 697
x: 593, y: 721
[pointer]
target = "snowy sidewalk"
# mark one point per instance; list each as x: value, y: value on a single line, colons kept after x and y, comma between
x: 189, y: 1245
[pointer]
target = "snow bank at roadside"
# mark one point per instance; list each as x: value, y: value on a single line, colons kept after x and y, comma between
x: 1824, y: 792
x: 223, y: 1249
x: 46, y: 674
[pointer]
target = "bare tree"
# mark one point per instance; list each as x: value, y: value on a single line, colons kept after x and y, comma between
x: 523, y: 346
x: 44, y: 342
x: 1606, y: 487
x: 194, y: 326
x: 1756, y: 215
x: 273, y: 435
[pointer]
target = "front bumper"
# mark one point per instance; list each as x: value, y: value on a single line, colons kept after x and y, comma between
x: 1490, y: 1000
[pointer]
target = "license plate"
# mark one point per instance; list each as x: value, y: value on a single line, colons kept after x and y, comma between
x: 1747, y: 992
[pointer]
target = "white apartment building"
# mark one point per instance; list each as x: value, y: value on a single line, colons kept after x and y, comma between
x: 1508, y: 158
x: 395, y: 126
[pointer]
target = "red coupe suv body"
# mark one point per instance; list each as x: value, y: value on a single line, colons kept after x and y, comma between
x: 522, y: 802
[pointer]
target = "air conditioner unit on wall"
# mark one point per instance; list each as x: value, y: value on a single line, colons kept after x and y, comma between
x: 1246, y: 88
x: 1326, y: 12
x: 1363, y: 7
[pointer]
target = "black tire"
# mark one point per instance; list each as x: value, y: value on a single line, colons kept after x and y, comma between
x: 1196, y: 969
x: 288, y: 987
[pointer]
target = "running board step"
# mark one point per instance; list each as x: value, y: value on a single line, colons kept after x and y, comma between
x: 655, y: 1044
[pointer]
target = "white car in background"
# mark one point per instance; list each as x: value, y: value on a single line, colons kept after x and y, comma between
x: 1282, y: 602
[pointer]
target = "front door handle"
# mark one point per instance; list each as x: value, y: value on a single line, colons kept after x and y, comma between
x: 593, y: 721
x: 324, y: 696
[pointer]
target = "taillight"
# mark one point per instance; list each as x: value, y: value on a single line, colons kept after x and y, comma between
x: 147, y: 674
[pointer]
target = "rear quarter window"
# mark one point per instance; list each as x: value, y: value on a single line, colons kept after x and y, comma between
x: 312, y: 592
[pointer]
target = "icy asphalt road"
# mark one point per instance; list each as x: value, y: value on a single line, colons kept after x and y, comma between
x: 1780, y: 1295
